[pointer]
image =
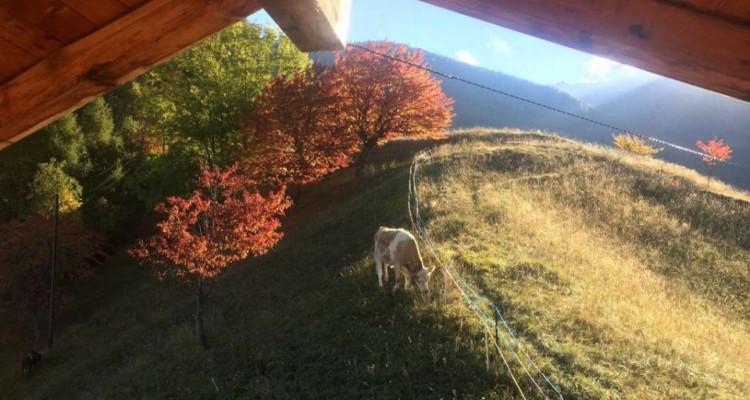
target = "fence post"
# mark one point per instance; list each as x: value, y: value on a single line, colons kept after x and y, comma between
x: 486, y: 352
x: 497, y: 339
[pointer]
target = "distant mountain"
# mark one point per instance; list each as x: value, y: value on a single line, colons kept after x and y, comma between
x: 657, y: 107
x: 602, y: 92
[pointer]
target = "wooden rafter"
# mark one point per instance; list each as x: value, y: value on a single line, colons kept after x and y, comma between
x: 704, y: 43
x: 313, y: 25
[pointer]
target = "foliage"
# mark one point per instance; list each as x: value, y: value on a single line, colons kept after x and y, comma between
x: 293, y: 132
x: 68, y: 146
x: 636, y: 145
x: 716, y: 150
x: 383, y: 99
x: 220, y: 223
x: 200, y: 94
x: 50, y: 180
x: 104, y: 146
x: 25, y: 259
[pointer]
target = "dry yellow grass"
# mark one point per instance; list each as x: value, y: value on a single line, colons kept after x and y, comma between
x: 625, y: 284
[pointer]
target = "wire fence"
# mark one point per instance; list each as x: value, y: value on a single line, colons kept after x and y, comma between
x: 489, y: 314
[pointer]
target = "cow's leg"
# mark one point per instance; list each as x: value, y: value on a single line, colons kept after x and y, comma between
x: 405, y: 273
x: 385, y: 272
x: 396, y: 279
x: 379, y: 270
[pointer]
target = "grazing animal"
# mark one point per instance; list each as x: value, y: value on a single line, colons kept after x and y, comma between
x: 29, y: 360
x: 397, y: 247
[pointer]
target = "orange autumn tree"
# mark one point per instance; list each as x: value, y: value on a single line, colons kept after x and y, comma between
x: 220, y: 223
x: 383, y: 98
x: 715, y: 150
x: 293, y: 132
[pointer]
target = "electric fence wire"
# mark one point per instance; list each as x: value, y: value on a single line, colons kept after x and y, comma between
x: 450, y: 271
x: 542, y: 105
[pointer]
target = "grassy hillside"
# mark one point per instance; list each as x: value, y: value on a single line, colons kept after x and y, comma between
x: 625, y: 275
x: 620, y: 284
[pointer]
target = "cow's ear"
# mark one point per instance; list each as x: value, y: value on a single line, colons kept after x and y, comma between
x: 431, y: 270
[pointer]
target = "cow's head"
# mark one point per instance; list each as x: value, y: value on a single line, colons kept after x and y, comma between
x: 422, y: 279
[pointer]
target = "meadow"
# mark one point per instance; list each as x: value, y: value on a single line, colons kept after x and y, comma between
x: 623, y: 277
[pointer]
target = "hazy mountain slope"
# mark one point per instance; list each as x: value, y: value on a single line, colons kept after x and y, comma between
x: 682, y: 114
x: 661, y: 108
x: 478, y: 107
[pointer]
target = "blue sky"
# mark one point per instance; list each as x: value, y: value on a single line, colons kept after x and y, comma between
x: 476, y: 42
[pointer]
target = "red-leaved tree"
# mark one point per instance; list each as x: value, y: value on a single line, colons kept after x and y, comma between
x: 25, y: 256
x: 383, y: 98
x: 716, y: 150
x: 294, y: 132
x: 222, y: 222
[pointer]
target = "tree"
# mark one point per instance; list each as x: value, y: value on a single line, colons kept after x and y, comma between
x: 199, y: 95
x: 50, y: 181
x: 383, y: 98
x: 715, y: 150
x: 222, y: 222
x: 293, y: 132
x: 634, y: 144
x: 25, y: 258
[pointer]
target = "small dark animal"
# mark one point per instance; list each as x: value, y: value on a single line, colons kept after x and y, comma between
x: 29, y: 360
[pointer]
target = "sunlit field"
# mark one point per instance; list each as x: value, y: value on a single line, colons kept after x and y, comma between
x: 625, y: 275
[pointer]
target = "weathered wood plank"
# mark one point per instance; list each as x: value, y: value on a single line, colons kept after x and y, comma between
x: 133, y: 4
x: 675, y: 41
x: 313, y: 25
x: 51, y: 16
x: 100, y: 12
x: 116, y: 53
x: 34, y: 41
x: 13, y: 59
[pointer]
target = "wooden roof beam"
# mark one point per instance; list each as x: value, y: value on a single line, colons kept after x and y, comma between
x: 702, y: 48
x: 313, y: 25
x: 111, y: 56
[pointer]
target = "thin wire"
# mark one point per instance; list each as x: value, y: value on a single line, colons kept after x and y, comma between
x: 538, y: 104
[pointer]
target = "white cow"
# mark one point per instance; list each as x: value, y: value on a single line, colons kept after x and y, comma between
x: 397, y: 247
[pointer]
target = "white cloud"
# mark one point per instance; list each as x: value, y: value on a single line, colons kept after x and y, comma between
x: 466, y: 57
x: 599, y: 67
x: 500, y: 45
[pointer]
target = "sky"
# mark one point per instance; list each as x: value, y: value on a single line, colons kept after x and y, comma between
x: 476, y: 42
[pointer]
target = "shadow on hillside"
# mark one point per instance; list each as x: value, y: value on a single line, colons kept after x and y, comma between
x: 304, y: 321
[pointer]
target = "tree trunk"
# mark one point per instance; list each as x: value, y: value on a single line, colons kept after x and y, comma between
x: 199, y: 334
x: 359, y: 165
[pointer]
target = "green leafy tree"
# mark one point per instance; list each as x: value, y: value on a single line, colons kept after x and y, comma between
x: 68, y: 146
x: 49, y: 181
x: 200, y: 94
